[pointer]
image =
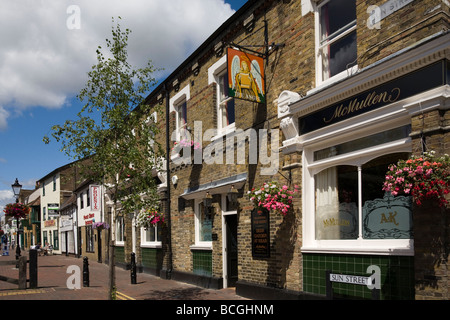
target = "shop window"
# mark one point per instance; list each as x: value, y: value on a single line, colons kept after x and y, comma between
x: 350, y: 203
x: 89, y: 239
x: 203, y: 225
x: 336, y: 38
x: 120, y: 230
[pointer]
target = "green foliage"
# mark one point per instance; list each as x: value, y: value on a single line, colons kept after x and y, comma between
x: 114, y: 128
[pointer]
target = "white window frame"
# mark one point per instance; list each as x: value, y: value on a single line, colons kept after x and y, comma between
x: 214, y: 74
x: 175, y: 103
x: 120, y: 231
x: 199, y: 245
x: 152, y: 243
x: 320, y: 82
x: 326, y: 138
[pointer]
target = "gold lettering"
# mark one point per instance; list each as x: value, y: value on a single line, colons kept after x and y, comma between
x: 370, y: 100
x: 390, y: 219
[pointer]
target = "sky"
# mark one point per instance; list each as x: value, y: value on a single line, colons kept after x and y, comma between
x: 48, y: 47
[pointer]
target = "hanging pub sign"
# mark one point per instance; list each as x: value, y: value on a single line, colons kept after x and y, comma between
x: 260, y: 233
x: 95, y: 197
x: 245, y: 76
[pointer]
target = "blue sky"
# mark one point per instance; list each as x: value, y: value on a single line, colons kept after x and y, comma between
x: 47, y: 49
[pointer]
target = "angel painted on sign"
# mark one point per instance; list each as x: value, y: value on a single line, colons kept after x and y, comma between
x: 246, y: 76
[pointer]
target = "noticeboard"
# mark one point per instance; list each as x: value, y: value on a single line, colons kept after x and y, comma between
x: 260, y: 233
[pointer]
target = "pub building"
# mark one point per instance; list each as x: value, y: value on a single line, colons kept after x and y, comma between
x: 347, y: 135
x: 348, y: 91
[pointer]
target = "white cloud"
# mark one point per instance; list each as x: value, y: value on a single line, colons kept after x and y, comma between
x: 6, y: 196
x: 44, y: 63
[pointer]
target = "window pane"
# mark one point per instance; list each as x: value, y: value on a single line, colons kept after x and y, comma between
x: 342, y: 54
x: 150, y: 234
x: 223, y: 86
x: 182, y: 114
x: 337, y: 203
x: 335, y: 15
x: 205, y: 224
x: 384, y: 216
x: 226, y: 104
x: 365, y: 142
x: 227, y: 112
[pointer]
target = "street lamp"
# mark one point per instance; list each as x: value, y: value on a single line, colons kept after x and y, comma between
x: 16, y: 189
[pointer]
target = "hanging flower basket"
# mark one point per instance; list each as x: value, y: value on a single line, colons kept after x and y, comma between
x: 178, y: 146
x: 100, y: 226
x: 425, y: 177
x: 271, y: 196
x: 16, y: 210
x: 150, y: 218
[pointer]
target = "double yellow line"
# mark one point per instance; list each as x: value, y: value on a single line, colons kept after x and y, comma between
x: 121, y: 296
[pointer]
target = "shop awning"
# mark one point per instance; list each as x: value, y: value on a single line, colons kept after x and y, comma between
x: 215, y: 187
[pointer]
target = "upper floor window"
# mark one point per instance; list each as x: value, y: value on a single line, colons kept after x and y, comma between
x: 225, y: 107
x: 54, y: 183
x: 225, y: 104
x: 181, y: 121
x: 81, y: 201
x: 178, y: 104
x: 336, y: 38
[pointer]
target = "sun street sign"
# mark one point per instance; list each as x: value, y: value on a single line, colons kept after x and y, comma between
x: 342, y: 278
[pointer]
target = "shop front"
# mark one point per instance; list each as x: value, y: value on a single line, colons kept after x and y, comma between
x: 348, y: 134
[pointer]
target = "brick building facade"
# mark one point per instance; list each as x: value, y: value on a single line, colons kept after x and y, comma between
x: 350, y: 87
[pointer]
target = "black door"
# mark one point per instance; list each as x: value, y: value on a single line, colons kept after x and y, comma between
x: 232, y: 257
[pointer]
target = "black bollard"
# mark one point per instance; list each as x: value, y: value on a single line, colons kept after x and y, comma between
x: 33, y: 268
x: 133, y: 268
x: 85, y: 272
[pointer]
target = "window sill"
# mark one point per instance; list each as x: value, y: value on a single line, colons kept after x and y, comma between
x: 152, y: 245
x: 320, y: 85
x: 369, y: 247
x: 204, y: 247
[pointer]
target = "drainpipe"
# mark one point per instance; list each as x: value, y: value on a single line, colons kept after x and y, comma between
x: 168, y: 272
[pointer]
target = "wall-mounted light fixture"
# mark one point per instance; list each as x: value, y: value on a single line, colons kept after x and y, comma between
x: 233, y: 195
x: 207, y: 202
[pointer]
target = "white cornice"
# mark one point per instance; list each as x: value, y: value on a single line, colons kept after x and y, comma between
x: 399, y: 64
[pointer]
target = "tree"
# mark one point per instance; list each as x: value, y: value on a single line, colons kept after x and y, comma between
x: 115, y: 130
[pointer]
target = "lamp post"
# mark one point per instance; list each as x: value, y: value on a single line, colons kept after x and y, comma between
x: 16, y: 189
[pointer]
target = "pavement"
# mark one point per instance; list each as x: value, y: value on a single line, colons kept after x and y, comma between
x: 57, y: 274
